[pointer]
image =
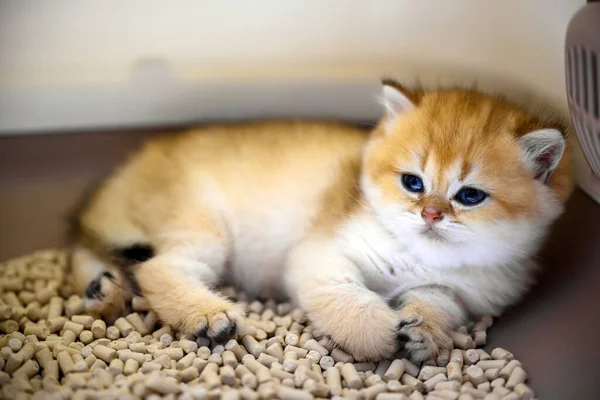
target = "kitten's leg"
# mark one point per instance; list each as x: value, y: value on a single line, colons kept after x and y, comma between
x: 330, y: 288
x: 427, y: 315
x: 177, y: 285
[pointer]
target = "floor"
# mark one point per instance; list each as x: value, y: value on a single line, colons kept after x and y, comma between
x: 554, y: 331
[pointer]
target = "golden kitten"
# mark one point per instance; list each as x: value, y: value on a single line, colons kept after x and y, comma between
x: 403, y: 231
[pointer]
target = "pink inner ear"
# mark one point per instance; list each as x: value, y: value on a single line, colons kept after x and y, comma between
x: 544, y: 161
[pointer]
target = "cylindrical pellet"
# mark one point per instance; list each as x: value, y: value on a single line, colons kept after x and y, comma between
x: 518, y: 375
x: 471, y: 356
x: 98, y: 329
x: 454, y: 371
x: 131, y: 366
x: 56, y: 324
x: 43, y: 356
x: 476, y: 375
x: 411, y: 381
x: 188, y: 346
x: 227, y: 374
x: 79, y: 363
x: 73, y: 327
x: 84, y: 320
x: 507, y: 370
x: 483, y: 355
x: 350, y: 376
x: 492, y: 373
x: 462, y: 341
x: 252, y: 345
x: 298, y: 350
x: 86, y: 337
x: 51, y: 369
x: 500, y: 354
x: 124, y: 326
x: 524, y: 391
x: 104, y: 353
x: 55, y: 307
x: 341, y: 356
x: 479, y: 338
x: 162, y: 384
x: 489, y: 364
x: 428, y: 372
x: 116, y: 367
x: 137, y: 322
x: 410, y: 368
x: 291, y: 339
x: 65, y: 362
x: 28, y: 369
x: 312, y: 344
x: 395, y: 371
x: 286, y: 393
x: 434, y: 380
x: 5, y: 311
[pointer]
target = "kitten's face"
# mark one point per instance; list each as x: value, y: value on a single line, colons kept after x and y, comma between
x: 448, y: 175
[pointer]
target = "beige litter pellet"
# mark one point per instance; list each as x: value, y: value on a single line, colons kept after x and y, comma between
x: 50, y: 348
x: 500, y: 354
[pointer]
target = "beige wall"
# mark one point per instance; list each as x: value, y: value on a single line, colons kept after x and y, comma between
x: 84, y: 63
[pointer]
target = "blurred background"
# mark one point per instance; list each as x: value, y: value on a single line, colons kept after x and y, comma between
x: 83, y: 82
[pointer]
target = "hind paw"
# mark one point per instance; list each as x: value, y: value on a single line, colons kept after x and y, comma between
x: 104, y: 297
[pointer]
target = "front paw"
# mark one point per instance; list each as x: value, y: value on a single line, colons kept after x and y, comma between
x: 422, y: 332
x: 215, y: 318
x: 364, y: 326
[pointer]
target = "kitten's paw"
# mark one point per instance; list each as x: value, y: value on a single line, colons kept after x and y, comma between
x: 365, y: 327
x: 216, y: 319
x: 421, y: 334
x: 104, y: 297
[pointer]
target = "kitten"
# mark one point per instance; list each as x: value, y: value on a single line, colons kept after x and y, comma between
x: 401, y: 232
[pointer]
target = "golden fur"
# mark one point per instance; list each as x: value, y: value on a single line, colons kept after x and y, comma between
x: 316, y: 210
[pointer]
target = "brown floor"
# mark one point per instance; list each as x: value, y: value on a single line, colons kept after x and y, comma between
x: 554, y: 331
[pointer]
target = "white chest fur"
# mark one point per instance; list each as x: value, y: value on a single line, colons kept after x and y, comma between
x: 392, y: 265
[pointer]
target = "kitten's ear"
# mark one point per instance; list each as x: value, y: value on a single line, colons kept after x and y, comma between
x: 396, y: 99
x: 542, y: 151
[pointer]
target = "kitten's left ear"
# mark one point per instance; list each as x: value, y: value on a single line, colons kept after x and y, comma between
x: 396, y: 99
x: 542, y: 151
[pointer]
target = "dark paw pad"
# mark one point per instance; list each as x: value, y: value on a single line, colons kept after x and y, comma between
x: 202, y: 332
x: 223, y: 334
x: 94, y: 289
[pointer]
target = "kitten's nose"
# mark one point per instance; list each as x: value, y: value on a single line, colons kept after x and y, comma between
x: 431, y: 215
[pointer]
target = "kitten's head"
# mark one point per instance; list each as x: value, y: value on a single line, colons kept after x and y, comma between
x: 463, y: 178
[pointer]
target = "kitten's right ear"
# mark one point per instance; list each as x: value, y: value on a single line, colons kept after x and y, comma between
x: 396, y: 99
x: 542, y: 150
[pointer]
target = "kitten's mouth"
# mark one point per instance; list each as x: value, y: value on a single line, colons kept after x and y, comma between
x: 432, y: 233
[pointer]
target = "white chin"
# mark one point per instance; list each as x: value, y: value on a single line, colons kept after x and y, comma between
x: 433, y: 235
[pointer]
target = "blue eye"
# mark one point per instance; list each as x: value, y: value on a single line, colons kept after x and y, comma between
x: 470, y: 196
x: 412, y: 183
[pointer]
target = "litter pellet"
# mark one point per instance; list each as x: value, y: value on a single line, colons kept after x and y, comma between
x: 65, y: 362
x: 124, y: 326
x: 500, y: 354
x: 507, y: 370
x: 341, y: 356
x: 430, y: 383
x: 350, y: 376
x: 428, y: 372
x: 475, y: 374
x: 518, y: 375
x: 462, y: 341
x: 112, y: 332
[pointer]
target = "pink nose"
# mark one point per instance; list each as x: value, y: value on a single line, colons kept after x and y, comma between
x: 431, y: 215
